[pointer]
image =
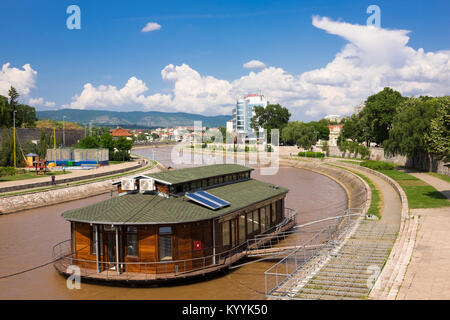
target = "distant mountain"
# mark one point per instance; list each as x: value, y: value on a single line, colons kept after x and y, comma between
x: 132, y: 119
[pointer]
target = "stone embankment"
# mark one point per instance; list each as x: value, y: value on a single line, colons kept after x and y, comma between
x: 391, y: 277
x: 44, y: 198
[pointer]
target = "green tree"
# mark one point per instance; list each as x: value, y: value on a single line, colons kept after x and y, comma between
x: 321, y: 127
x: 141, y: 137
x: 107, y: 141
x: 410, y: 126
x: 155, y: 136
x: 123, y: 145
x: 7, y: 150
x: 273, y: 116
x: 325, y: 147
x: 89, y: 142
x: 46, y: 141
x: 438, y: 137
x: 291, y: 132
x: 307, y: 137
x: 378, y: 114
x: 13, y: 96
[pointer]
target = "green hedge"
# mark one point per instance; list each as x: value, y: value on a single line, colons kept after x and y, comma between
x: 8, y: 171
x: 378, y: 165
x: 311, y: 154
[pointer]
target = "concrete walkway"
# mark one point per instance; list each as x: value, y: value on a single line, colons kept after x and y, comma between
x: 350, y: 273
x: 428, y: 274
x: 85, y: 174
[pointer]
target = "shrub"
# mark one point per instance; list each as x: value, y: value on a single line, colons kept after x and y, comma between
x: 8, y: 171
x: 378, y: 165
x: 311, y: 154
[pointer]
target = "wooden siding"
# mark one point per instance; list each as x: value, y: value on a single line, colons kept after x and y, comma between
x: 183, y: 237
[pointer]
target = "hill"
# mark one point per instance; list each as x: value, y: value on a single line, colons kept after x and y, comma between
x: 48, y: 123
x: 132, y: 119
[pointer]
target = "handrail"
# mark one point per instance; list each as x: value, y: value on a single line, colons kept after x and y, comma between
x: 332, y: 234
x: 62, y: 251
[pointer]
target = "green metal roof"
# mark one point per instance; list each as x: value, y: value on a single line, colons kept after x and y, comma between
x: 140, y: 208
x: 197, y: 173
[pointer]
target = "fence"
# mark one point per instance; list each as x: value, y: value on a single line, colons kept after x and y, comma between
x: 279, y: 278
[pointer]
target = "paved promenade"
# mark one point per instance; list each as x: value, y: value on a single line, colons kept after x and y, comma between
x: 73, y: 174
x: 428, y: 274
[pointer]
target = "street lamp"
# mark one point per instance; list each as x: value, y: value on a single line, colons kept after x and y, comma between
x: 14, y: 136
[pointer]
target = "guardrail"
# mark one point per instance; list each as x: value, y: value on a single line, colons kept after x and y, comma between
x: 161, y: 270
x: 277, y: 278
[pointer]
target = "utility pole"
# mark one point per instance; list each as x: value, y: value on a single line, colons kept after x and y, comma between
x: 64, y: 135
x: 54, y: 143
x: 14, y: 136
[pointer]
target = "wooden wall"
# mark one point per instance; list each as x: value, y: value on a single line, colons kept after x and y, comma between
x: 183, y: 238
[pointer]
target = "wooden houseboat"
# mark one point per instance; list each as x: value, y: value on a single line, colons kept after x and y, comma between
x: 171, y: 225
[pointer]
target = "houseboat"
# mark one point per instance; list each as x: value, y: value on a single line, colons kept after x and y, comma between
x: 173, y: 225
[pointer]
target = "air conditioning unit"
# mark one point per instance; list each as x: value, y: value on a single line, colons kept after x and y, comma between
x: 146, y: 185
x: 128, y: 184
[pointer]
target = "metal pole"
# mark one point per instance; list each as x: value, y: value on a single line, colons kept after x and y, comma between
x: 64, y: 136
x: 97, y: 249
x: 117, y: 250
x: 14, y: 134
x: 214, y: 242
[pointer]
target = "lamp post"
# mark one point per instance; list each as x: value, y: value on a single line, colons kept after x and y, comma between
x: 14, y: 136
x: 64, y: 135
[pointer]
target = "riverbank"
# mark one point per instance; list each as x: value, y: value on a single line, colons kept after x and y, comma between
x: 60, y: 194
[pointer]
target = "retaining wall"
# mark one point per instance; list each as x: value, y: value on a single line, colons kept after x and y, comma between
x: 66, y: 180
x: 355, y: 187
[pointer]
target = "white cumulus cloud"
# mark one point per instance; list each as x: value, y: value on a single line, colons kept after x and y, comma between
x: 40, y: 102
x: 372, y: 58
x: 22, y: 79
x: 254, y: 64
x: 151, y: 26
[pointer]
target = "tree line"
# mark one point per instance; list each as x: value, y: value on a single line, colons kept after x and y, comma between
x: 25, y: 115
x: 409, y: 126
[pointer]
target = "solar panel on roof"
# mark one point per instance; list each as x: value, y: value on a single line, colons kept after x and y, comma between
x: 207, y: 199
x: 213, y: 198
x: 195, y: 197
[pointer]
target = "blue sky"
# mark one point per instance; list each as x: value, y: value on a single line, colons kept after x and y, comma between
x: 214, y: 38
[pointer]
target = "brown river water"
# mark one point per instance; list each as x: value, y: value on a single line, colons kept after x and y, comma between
x: 27, y: 238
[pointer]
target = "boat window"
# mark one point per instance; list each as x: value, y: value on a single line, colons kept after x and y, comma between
x: 242, y: 235
x: 165, y: 243
x: 132, y: 242
x: 249, y: 223
x: 255, y: 220
x: 273, y: 213
x: 263, y: 218
x: 226, y: 233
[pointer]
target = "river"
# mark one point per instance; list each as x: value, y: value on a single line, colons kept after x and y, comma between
x: 27, y: 238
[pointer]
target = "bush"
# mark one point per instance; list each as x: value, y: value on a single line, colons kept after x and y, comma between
x: 8, y: 171
x: 311, y: 154
x: 378, y: 165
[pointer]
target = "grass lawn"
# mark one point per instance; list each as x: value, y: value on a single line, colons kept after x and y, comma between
x: 30, y: 175
x: 419, y: 193
x: 350, y: 161
x: 440, y: 176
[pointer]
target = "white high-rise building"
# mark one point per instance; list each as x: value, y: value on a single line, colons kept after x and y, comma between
x: 243, y: 113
